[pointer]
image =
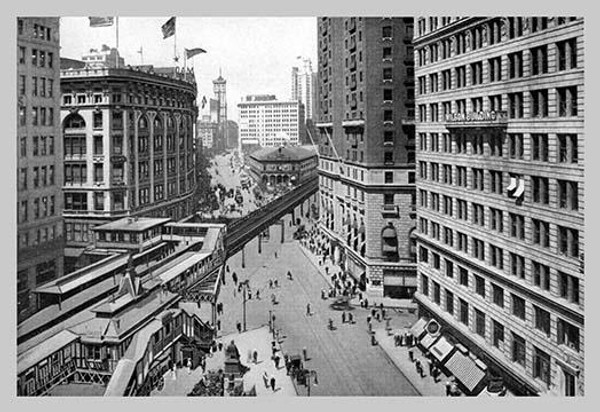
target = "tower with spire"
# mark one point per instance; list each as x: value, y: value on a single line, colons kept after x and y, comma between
x: 220, y: 90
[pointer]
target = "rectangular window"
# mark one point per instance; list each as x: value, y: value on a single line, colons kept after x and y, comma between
x: 436, y: 293
x: 498, y: 334
x: 461, y: 76
x: 567, y: 54
x: 496, y: 220
x: 479, y: 285
x: 517, y: 226
x: 518, y: 306
x: 542, y: 319
x: 515, y: 65
x: 541, y: 233
x: 539, y: 147
x: 463, y: 276
x: 567, y: 101
x: 515, y: 105
x: 568, y: 287
x: 567, y: 334
x: 518, y: 349
x: 539, y: 60
x: 389, y: 177
x: 568, y: 241
x: 425, y: 285
x: 567, y: 148
x: 495, y: 69
x: 496, y: 257
x: 517, y: 265
x: 449, y: 302
x: 479, y: 323
x: 515, y: 145
x: 464, y: 311
x: 539, y: 190
x: 541, y: 365
x: 568, y: 195
x: 498, y: 295
x: 476, y: 73
x: 539, y: 103
x: 449, y: 268
x: 99, y: 200
x: 541, y: 275
x: 478, y: 214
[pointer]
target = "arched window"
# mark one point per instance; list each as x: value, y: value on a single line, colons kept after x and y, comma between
x: 143, y: 123
x: 412, y: 244
x: 74, y: 121
x: 158, y: 125
x: 389, y: 243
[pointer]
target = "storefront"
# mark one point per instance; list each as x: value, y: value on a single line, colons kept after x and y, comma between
x: 399, y: 283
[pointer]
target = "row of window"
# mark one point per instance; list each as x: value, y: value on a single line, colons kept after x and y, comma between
x: 40, y: 86
x: 568, y: 238
x: 41, y: 207
x: 40, y: 116
x: 40, y: 146
x: 42, y: 176
x: 486, y: 34
x: 567, y: 334
x: 541, y: 320
x: 39, y: 236
x: 497, y: 145
x: 117, y: 98
x: 472, y: 74
x: 567, y: 191
x: 39, y: 58
x: 566, y: 99
x: 38, y: 31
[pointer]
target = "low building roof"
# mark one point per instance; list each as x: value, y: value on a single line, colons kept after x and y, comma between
x: 137, y: 224
x: 282, y: 154
x: 46, y: 348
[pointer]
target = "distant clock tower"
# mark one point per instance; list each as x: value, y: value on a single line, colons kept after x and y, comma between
x: 219, y: 88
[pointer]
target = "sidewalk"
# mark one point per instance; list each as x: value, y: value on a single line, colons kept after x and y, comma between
x: 426, y: 386
x: 374, y: 300
x: 256, y: 339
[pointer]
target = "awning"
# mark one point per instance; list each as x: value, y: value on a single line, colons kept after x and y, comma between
x: 513, y: 184
x: 442, y: 349
x: 520, y: 189
x: 418, y: 328
x: 465, y: 370
x: 388, y: 233
x: 427, y: 341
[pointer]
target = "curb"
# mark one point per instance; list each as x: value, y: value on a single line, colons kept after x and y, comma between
x: 391, y: 360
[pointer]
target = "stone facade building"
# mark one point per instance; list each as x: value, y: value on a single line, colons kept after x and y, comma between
x: 500, y: 193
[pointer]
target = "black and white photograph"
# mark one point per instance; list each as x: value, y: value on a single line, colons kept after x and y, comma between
x: 315, y: 205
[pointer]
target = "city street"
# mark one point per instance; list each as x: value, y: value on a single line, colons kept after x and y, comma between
x: 345, y: 360
x: 231, y: 180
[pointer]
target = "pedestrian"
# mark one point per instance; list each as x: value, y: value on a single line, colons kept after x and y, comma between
x: 218, y: 324
x: 174, y: 372
x: 289, y: 275
x: 383, y: 313
x: 235, y: 278
x: 203, y: 364
x: 227, y: 268
x: 273, y: 383
x: 350, y: 318
x: 258, y: 294
x: 368, y: 319
x: 418, y: 367
x: 276, y: 359
x: 239, y: 327
x: 304, y: 354
x: 249, y: 295
x: 431, y: 366
x: 276, y: 283
x: 308, y: 309
x: 366, y: 303
x: 411, y: 354
x: 275, y: 254
x: 448, y: 386
x: 265, y: 377
x: 344, y: 317
x: 255, y: 356
x: 270, y: 283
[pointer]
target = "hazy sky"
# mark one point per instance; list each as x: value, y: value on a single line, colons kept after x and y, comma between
x: 256, y: 54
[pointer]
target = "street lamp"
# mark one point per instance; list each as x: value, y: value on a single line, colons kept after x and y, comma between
x: 245, y: 286
x: 311, y: 377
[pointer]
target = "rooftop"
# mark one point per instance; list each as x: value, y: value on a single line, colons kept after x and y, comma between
x: 129, y: 224
x: 283, y: 153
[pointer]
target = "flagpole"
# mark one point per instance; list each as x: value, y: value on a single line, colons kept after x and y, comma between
x: 117, y: 35
x: 175, y: 41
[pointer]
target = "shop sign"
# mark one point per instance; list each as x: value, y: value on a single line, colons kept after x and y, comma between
x: 481, y: 116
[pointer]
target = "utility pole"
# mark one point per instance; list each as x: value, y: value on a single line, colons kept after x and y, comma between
x: 260, y: 243
x: 311, y: 374
x: 243, y: 256
x: 245, y: 286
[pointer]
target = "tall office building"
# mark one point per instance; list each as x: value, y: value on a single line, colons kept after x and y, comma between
x: 267, y: 122
x: 220, y: 90
x: 500, y: 187
x: 366, y: 146
x: 39, y: 167
x: 128, y: 146
x: 302, y: 85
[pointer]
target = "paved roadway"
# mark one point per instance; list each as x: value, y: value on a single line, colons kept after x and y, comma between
x: 346, y: 362
x: 231, y: 180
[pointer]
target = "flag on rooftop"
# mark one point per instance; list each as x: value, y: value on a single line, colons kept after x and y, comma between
x: 189, y: 53
x: 101, y: 21
x: 168, y: 29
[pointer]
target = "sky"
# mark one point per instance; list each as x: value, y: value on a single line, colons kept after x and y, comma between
x: 255, y: 54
